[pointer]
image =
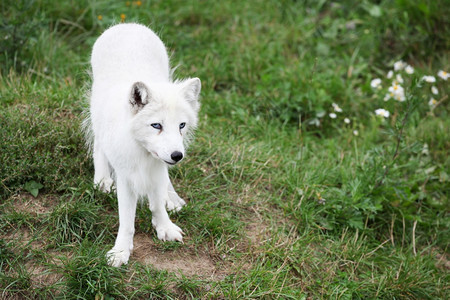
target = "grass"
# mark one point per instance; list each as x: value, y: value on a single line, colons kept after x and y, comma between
x: 283, y: 200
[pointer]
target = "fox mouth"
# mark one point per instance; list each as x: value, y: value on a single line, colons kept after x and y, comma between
x: 158, y: 157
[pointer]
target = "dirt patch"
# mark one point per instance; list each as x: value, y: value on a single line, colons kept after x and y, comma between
x: 185, y: 260
x: 260, y: 225
x: 442, y: 259
x: 257, y: 233
x: 43, y: 276
x: 34, y: 206
x: 24, y: 237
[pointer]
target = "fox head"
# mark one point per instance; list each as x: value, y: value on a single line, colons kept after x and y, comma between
x: 164, y: 117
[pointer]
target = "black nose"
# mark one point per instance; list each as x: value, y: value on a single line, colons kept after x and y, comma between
x: 176, y: 156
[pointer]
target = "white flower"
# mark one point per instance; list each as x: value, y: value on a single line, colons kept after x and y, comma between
x: 355, y: 132
x: 399, y: 78
x: 376, y: 83
x: 400, y: 97
x: 347, y: 121
x: 390, y: 74
x: 336, y: 107
x: 397, y: 92
x: 399, y: 65
x: 388, y: 96
x: 444, y: 75
x: 434, y: 90
x: 429, y: 79
x: 332, y: 115
x: 409, y: 69
x: 382, y: 112
x: 432, y: 102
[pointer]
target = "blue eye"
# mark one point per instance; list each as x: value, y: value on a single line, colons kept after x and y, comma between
x: 182, y: 125
x: 156, y: 126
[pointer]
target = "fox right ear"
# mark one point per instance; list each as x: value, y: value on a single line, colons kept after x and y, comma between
x: 139, y: 96
x: 191, y: 89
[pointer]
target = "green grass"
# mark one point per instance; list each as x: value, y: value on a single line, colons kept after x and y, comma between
x: 283, y: 200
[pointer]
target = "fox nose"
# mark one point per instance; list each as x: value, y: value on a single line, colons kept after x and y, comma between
x: 176, y: 156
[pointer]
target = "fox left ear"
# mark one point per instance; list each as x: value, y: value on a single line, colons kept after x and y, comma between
x: 191, y: 90
x: 140, y: 96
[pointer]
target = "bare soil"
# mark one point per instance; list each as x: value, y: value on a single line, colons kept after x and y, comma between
x: 185, y: 260
x: 42, y: 204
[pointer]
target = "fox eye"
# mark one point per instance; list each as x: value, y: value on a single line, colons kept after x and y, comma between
x: 156, y: 126
x: 182, y: 125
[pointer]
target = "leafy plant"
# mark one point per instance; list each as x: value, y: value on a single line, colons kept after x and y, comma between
x: 33, y: 187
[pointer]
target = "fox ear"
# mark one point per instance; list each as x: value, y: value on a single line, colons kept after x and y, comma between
x: 139, y: 96
x: 191, y: 90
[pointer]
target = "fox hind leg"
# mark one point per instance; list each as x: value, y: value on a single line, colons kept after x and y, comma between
x: 174, y: 202
x: 102, y: 175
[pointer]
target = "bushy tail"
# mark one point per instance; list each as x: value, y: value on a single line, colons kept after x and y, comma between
x: 86, y: 124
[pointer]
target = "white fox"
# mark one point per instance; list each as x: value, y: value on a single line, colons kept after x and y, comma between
x: 140, y: 121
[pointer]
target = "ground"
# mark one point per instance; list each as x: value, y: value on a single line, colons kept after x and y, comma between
x: 297, y: 185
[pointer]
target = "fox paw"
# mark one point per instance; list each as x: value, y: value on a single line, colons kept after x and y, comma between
x: 117, y: 257
x: 174, y: 202
x: 169, y: 232
x: 105, y: 184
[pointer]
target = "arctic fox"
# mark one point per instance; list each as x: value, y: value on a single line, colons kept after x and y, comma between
x: 140, y: 120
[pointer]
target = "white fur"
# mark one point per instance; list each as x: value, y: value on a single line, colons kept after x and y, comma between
x: 132, y: 89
